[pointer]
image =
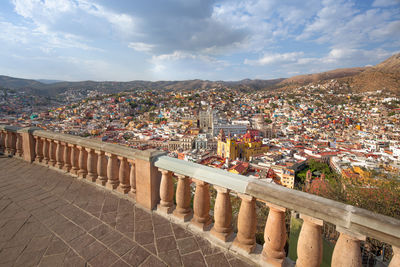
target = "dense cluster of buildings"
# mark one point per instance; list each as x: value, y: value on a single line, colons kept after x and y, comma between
x: 268, y: 135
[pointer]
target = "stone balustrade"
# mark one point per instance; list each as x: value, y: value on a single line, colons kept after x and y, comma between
x: 148, y: 177
x: 353, y: 224
x: 9, y: 140
x: 108, y: 165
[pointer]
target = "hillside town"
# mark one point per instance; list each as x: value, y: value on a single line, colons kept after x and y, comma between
x: 267, y: 135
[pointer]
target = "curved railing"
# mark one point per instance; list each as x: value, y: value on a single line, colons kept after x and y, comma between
x: 148, y: 175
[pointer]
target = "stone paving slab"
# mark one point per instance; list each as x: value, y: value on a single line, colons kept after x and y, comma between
x: 48, y: 218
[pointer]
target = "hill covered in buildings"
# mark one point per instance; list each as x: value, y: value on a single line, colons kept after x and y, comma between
x: 384, y: 76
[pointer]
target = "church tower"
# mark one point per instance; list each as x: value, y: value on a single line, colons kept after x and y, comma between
x: 221, y: 136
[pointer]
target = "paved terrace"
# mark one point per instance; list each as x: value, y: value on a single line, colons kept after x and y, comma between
x: 48, y: 218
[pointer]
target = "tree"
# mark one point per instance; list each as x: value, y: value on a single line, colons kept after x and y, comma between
x: 318, y: 104
x: 133, y: 105
x: 314, y: 165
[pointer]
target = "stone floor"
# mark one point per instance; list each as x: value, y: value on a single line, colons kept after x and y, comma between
x: 48, y: 218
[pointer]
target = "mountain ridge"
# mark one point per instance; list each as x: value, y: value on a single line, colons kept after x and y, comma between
x: 112, y: 86
x: 383, y: 76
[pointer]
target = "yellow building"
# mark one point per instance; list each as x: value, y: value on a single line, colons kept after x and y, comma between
x: 239, y: 148
x: 282, y: 174
x: 363, y: 173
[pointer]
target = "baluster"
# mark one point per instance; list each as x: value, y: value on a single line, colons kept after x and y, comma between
x: 7, y: 143
x: 4, y: 133
x: 74, y: 159
x: 222, y: 228
x: 38, y: 149
x: 132, y: 178
x: 91, y: 165
x: 309, y: 246
x: 247, y: 223
x: 201, y: 205
x: 101, y: 168
x: 7, y: 148
x: 275, y: 236
x: 13, y: 143
x: 347, y: 252
x: 2, y: 143
x: 67, y: 157
x: 52, y: 151
x: 46, y: 157
x: 112, y: 171
x: 59, y: 154
x: 123, y: 175
x: 18, y: 144
x: 395, y: 262
x: 82, y: 162
x: 183, y: 197
x: 166, y: 192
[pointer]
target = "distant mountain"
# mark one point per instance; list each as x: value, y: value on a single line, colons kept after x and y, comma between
x: 254, y: 84
x: 383, y: 76
x: 17, y: 83
x: 42, y: 88
x: 48, y: 81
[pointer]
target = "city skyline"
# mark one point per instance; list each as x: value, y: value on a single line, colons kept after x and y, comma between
x: 179, y: 40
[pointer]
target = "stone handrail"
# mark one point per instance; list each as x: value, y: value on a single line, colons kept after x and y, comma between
x: 147, y: 176
x: 89, y: 143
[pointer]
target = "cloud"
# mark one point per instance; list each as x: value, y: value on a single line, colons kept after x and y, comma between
x: 332, y: 15
x: 141, y: 47
x: 179, y: 62
x: 182, y: 55
x: 176, y: 55
x: 268, y: 59
x: 168, y: 26
x: 343, y: 23
x: 385, y: 3
x: 345, y: 56
x: 78, y: 17
x: 123, y: 23
x: 387, y: 31
x: 40, y: 39
x: 50, y: 8
x: 13, y: 33
x: 267, y: 21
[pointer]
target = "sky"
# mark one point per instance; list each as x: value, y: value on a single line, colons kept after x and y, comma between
x: 124, y: 40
